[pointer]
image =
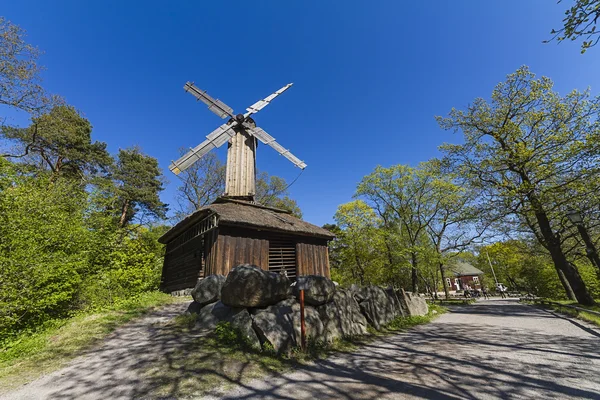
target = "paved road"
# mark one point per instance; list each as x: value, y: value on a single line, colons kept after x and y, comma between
x: 493, y: 349
x: 496, y: 349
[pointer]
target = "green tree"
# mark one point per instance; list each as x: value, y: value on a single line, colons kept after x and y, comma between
x: 580, y: 21
x: 403, y: 197
x: 272, y: 191
x: 201, y: 184
x: 59, y: 141
x: 360, y: 244
x: 139, y: 184
x: 522, y: 265
x: 42, y: 248
x: 19, y: 71
x: 528, y: 151
x: 454, y: 225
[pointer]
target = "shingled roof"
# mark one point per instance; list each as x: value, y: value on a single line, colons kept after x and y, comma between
x: 461, y: 268
x: 248, y: 215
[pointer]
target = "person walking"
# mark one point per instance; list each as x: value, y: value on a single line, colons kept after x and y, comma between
x: 484, y: 292
x: 502, y: 290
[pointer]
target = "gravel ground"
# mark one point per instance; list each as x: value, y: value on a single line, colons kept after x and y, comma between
x: 110, y: 370
x: 492, y: 349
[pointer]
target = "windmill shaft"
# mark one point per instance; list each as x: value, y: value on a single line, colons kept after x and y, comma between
x: 241, y: 165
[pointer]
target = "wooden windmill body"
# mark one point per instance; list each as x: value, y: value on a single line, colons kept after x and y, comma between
x: 240, y: 176
x: 234, y: 229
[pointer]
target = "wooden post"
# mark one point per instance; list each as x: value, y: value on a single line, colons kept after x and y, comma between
x: 302, y: 323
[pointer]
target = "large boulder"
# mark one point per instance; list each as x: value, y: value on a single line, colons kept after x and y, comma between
x: 208, y: 290
x: 279, y: 324
x: 249, y: 286
x: 242, y: 321
x: 393, y: 296
x: 317, y: 289
x: 239, y: 318
x: 413, y: 304
x: 342, y: 317
x: 193, y: 308
x: 376, y: 306
x: 211, y: 314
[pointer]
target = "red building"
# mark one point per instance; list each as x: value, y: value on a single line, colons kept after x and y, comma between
x: 464, y: 276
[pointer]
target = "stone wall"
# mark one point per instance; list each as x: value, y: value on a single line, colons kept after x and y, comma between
x: 264, y: 306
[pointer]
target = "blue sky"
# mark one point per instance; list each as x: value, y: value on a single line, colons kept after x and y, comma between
x: 369, y: 77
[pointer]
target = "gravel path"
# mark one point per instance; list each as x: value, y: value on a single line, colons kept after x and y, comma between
x: 496, y: 349
x: 110, y: 370
x: 492, y: 349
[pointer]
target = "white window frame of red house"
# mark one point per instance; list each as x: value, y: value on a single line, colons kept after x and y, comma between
x: 475, y: 279
x: 456, y: 283
x: 449, y: 283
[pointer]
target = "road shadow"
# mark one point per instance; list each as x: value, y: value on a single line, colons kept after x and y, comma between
x: 448, y: 359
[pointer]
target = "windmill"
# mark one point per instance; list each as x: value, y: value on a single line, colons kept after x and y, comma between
x: 241, y: 133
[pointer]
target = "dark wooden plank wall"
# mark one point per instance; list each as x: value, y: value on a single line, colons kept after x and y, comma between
x: 182, y: 266
x: 229, y: 250
x: 227, y: 247
x: 312, y: 259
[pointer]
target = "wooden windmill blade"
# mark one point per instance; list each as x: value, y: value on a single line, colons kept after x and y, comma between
x: 215, y: 139
x: 259, y: 105
x: 267, y: 139
x: 214, y: 105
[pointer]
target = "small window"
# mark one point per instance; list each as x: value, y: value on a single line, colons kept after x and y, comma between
x: 476, y: 279
x: 448, y: 283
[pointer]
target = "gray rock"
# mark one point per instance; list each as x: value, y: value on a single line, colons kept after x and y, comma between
x: 342, y: 317
x: 279, y: 324
x: 317, y: 289
x: 377, y: 307
x: 249, y: 286
x: 414, y: 304
x: 391, y: 293
x: 193, y: 308
x: 211, y: 314
x: 208, y: 290
x: 357, y: 292
x: 242, y: 321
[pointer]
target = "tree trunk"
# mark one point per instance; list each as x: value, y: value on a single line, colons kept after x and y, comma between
x: 558, y: 257
x: 566, y: 284
x: 446, y: 291
x: 390, y: 257
x: 414, y: 278
x: 124, y: 210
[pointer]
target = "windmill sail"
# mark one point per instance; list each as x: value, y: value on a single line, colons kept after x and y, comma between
x: 215, y: 139
x: 259, y: 105
x: 216, y: 106
x: 270, y: 140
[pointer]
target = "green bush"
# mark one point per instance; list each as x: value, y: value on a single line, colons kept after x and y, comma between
x: 41, y: 250
x: 61, y: 251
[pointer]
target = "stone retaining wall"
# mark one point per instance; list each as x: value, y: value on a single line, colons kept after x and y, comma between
x: 264, y: 307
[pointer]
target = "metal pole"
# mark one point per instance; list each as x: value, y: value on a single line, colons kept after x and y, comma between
x: 490, y: 262
x: 302, y: 324
x: 591, y: 252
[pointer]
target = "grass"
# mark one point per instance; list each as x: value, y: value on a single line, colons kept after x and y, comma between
x: 215, y: 363
x: 582, y: 315
x: 31, y: 355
